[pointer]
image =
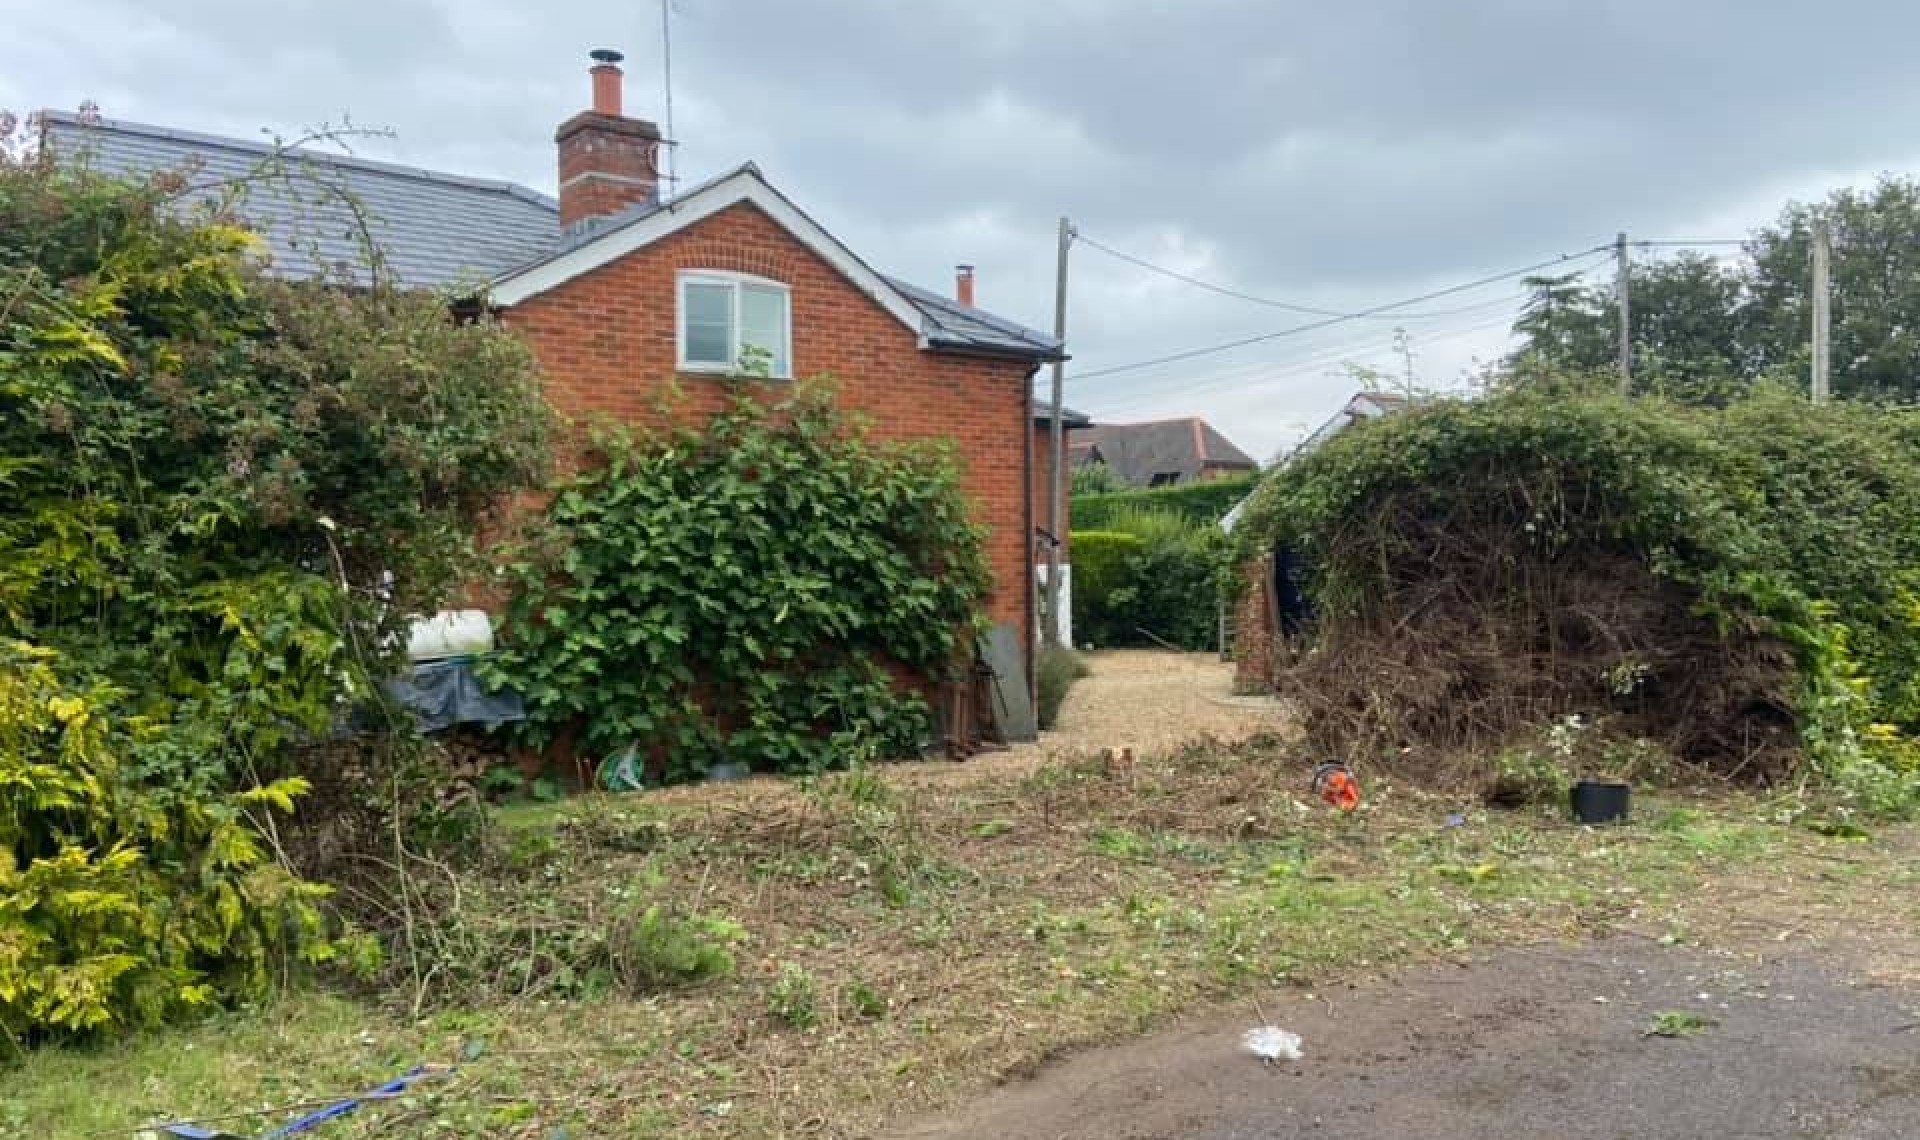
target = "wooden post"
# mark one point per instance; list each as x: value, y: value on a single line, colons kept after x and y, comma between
x: 1822, y: 312
x: 1623, y: 287
x: 1270, y: 594
x: 1057, y: 492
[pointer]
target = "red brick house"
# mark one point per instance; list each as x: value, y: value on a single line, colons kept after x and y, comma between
x: 621, y: 291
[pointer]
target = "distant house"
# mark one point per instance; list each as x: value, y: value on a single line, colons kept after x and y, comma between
x: 1161, y: 453
x: 1363, y: 406
x: 622, y: 292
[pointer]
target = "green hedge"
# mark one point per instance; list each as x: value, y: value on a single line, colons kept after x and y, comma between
x: 1102, y: 578
x: 1201, y: 502
x: 1157, y: 575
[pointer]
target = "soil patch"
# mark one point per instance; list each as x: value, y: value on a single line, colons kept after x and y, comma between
x: 1543, y: 1043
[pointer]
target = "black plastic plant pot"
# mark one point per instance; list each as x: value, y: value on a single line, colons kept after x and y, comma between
x: 1600, y: 801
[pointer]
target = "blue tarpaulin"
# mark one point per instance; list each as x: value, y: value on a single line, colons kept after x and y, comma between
x: 441, y: 694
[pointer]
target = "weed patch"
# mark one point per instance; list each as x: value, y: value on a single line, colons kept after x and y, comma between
x: 667, y: 954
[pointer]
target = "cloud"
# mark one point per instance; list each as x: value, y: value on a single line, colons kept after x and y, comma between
x: 1337, y: 155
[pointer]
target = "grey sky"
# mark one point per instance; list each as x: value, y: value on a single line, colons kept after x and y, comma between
x: 1330, y: 154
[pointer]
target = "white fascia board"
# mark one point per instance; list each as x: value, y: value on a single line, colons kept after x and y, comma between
x: 744, y: 186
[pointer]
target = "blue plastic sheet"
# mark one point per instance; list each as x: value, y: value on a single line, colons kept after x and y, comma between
x: 441, y: 694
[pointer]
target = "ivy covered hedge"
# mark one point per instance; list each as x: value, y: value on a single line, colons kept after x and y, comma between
x: 1741, y: 584
x: 753, y: 590
x: 219, y: 495
x: 1202, y: 503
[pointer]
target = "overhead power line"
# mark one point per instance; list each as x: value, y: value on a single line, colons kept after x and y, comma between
x: 1263, y: 376
x: 1224, y: 291
x: 1311, y: 326
x: 1688, y: 243
x: 1361, y: 344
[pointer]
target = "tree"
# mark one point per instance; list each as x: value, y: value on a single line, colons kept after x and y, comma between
x: 1876, y: 289
x: 1563, y: 324
x: 1689, y: 317
x: 1691, y: 329
x: 1705, y: 330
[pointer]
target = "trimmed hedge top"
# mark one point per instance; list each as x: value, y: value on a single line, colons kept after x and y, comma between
x: 1203, y: 502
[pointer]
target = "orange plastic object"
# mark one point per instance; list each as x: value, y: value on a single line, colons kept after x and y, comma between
x: 1337, y: 786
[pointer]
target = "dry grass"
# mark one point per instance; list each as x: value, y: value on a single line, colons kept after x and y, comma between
x: 947, y: 937
x: 914, y: 935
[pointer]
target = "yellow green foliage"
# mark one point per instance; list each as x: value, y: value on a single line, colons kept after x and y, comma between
x: 221, y: 493
x: 122, y: 906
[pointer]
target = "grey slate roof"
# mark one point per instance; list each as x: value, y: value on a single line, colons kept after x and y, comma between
x: 953, y: 325
x: 1069, y: 419
x: 1183, y: 449
x: 437, y: 231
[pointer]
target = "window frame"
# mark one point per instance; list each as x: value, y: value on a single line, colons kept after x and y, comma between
x: 738, y: 283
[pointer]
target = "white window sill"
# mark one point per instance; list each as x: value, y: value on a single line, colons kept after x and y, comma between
x: 724, y: 370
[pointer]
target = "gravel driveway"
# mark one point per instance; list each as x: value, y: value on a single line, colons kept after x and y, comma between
x: 1148, y: 700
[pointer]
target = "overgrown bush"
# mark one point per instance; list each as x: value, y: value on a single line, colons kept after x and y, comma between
x: 749, y: 590
x: 219, y: 494
x: 1741, y: 585
x: 1056, y: 670
x: 1155, y: 583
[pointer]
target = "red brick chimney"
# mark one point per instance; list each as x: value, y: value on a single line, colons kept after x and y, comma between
x: 963, y: 285
x: 607, y: 161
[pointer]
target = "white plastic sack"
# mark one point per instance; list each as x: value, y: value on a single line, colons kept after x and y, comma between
x: 1270, y: 1043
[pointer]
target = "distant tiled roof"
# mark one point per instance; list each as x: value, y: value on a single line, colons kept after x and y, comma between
x: 1163, y: 451
x: 435, y: 230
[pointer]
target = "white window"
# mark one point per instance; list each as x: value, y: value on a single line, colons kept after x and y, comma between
x: 735, y: 322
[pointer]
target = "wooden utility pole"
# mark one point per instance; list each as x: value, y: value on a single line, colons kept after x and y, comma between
x: 1822, y: 312
x: 1622, y: 286
x: 1057, y: 449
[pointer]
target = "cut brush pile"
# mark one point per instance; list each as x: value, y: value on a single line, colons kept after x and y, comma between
x: 1738, y: 586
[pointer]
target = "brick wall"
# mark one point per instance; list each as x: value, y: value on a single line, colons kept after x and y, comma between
x: 606, y: 341
x: 1254, y: 628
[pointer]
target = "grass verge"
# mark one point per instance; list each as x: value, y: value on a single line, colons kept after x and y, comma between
x: 848, y: 951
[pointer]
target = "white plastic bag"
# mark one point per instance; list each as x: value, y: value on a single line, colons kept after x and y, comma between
x: 1270, y: 1043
